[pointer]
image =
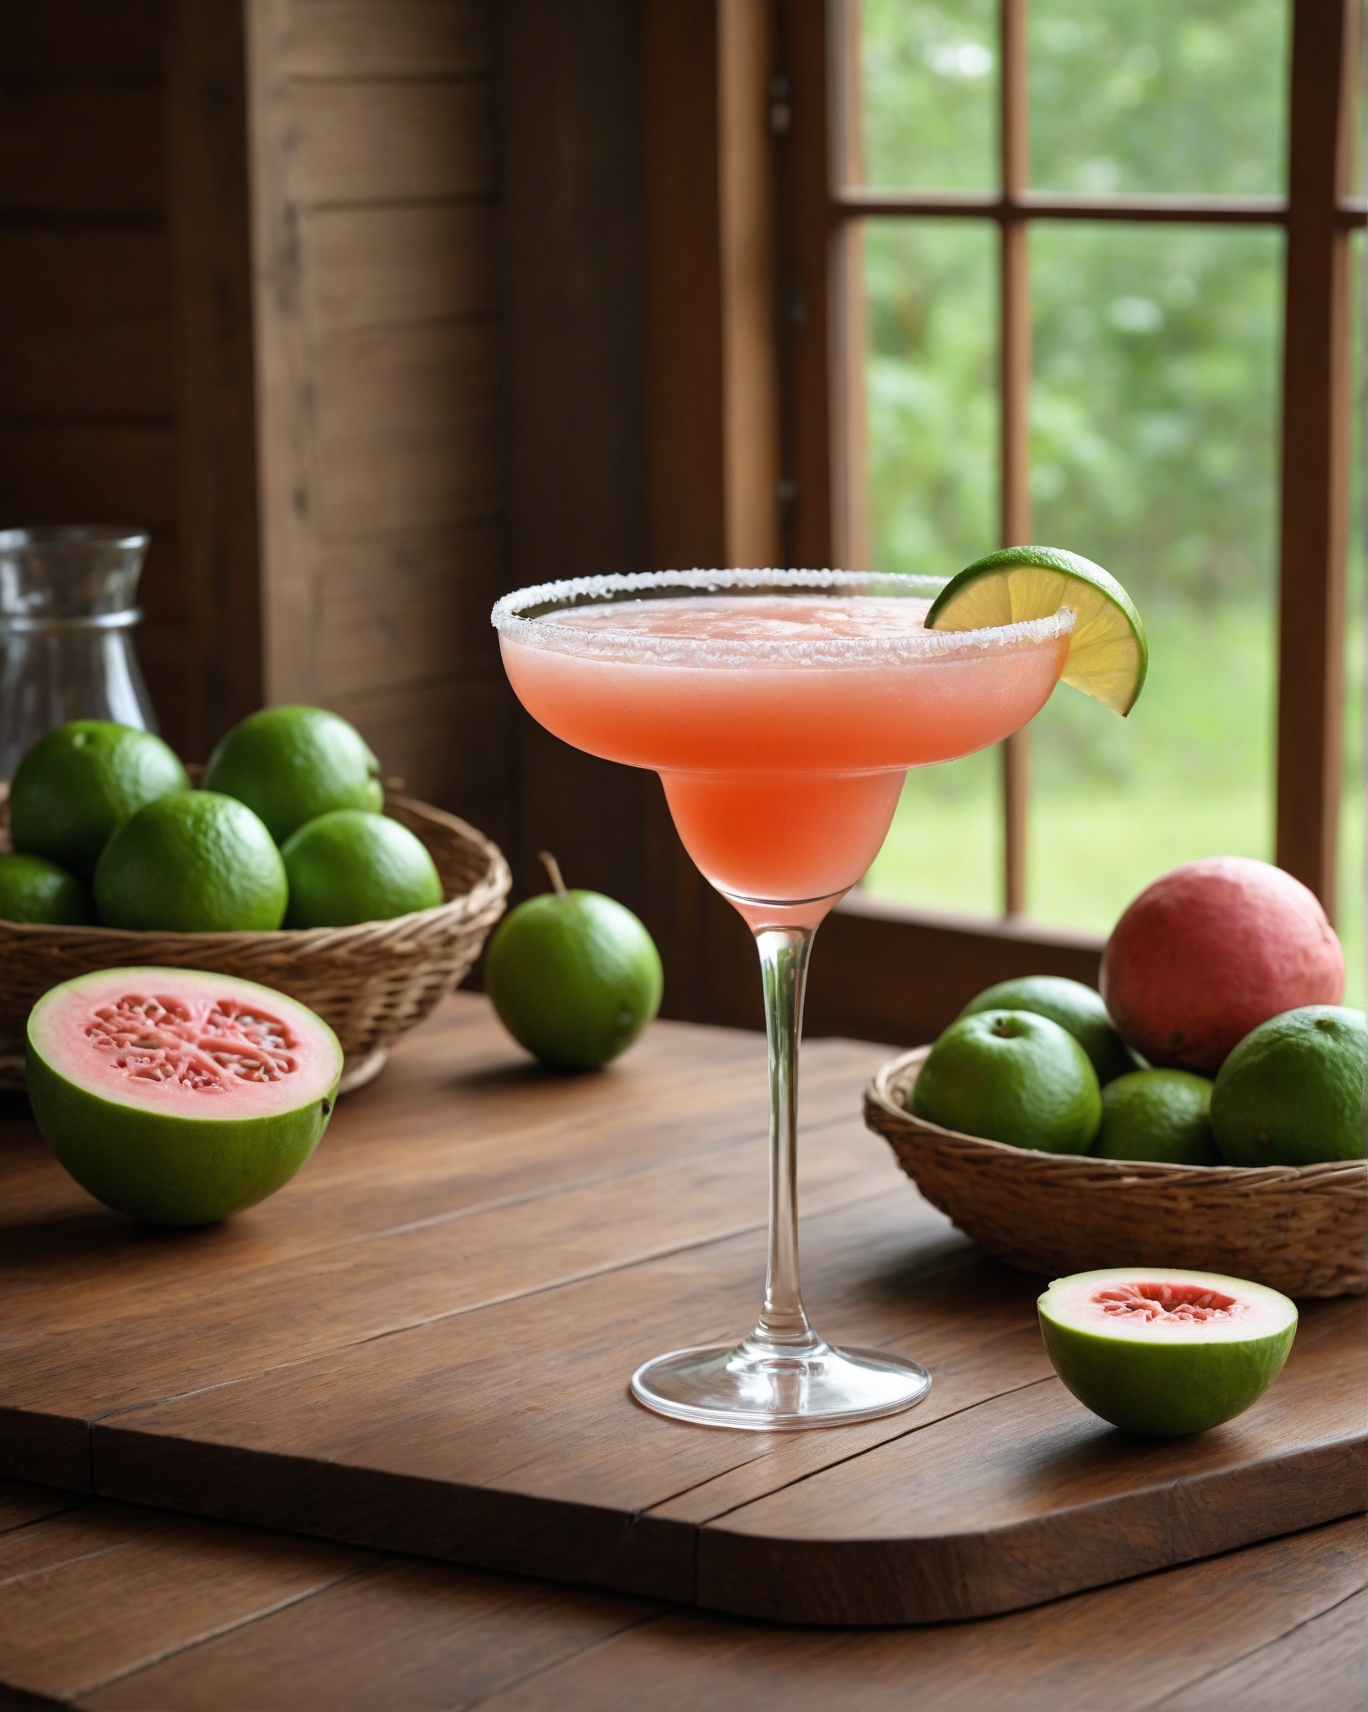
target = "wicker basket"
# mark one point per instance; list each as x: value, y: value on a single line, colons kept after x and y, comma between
x: 371, y: 982
x: 1298, y: 1229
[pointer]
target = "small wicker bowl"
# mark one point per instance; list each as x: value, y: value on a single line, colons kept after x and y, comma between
x: 371, y: 982
x: 1298, y: 1229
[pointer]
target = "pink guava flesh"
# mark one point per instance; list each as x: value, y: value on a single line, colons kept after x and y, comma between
x: 182, y: 1053
x: 1194, y: 1304
x: 1165, y: 1352
x: 177, y: 1095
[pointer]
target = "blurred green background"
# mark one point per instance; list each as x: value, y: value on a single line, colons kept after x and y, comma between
x: 1154, y: 428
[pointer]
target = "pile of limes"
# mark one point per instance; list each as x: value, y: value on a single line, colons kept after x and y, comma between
x: 286, y: 831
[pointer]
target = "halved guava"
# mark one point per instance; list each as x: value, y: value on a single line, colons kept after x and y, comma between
x: 1163, y: 1352
x: 179, y: 1096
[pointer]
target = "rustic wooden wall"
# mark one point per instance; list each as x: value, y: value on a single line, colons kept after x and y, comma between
x: 378, y: 356
x: 87, y: 328
x: 126, y: 391
x: 248, y: 298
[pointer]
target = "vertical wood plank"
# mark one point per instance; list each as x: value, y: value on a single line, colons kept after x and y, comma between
x: 286, y: 432
x: 852, y: 543
x: 686, y: 396
x: 805, y: 283
x: 746, y: 45
x: 390, y: 38
x: 356, y: 141
x: 572, y: 266
x: 379, y: 377
x: 216, y: 487
x: 1315, y: 456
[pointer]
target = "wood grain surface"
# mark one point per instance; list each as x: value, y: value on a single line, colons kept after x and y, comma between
x: 422, y: 1345
x: 189, y: 1616
x: 380, y: 396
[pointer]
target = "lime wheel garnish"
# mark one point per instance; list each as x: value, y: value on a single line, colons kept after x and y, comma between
x: 1108, y: 652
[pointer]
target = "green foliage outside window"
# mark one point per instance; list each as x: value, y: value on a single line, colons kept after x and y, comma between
x: 1154, y: 422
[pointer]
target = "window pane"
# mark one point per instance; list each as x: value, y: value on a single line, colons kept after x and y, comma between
x: 1154, y: 442
x: 930, y: 376
x: 931, y: 328
x: 944, y: 848
x: 1170, y: 96
x: 929, y: 95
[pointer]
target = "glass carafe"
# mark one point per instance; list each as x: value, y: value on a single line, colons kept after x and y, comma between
x: 66, y: 620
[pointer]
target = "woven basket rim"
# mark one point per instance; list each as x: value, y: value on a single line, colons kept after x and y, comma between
x: 492, y: 885
x: 892, y: 1114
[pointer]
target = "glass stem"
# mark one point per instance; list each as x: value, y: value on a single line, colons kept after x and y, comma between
x: 783, y: 1326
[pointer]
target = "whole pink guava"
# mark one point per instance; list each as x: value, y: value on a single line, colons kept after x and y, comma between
x: 1210, y: 951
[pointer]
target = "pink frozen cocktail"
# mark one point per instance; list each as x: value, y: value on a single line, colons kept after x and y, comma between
x: 782, y: 711
x: 781, y: 726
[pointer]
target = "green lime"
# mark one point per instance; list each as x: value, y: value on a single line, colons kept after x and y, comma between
x: 1074, y: 1007
x: 77, y: 786
x: 1161, y: 1115
x: 351, y: 866
x: 574, y: 976
x: 34, y: 889
x: 1292, y: 1091
x: 291, y: 764
x: 1108, y: 652
x: 1011, y: 1076
x: 197, y: 862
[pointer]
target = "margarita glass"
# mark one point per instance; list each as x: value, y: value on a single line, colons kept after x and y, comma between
x: 781, y: 710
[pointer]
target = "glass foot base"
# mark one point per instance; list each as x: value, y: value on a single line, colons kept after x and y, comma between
x: 769, y: 1390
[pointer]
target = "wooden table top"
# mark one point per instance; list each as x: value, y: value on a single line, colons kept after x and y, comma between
x: 422, y: 1345
x: 117, y: 1609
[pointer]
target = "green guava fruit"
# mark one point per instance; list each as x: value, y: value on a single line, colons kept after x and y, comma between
x: 1011, y: 1076
x: 1158, y: 1115
x: 178, y: 1096
x: 196, y: 862
x: 78, y: 785
x: 1074, y: 1007
x: 34, y: 889
x: 1292, y: 1091
x: 291, y: 764
x: 352, y: 866
x: 1162, y: 1352
x: 574, y: 977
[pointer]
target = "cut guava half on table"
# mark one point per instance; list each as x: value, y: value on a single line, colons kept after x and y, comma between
x: 1165, y: 1352
x: 179, y: 1096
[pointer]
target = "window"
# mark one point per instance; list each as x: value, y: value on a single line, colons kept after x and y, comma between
x: 1091, y: 281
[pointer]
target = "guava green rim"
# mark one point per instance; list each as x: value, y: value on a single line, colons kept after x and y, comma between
x: 1108, y: 650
